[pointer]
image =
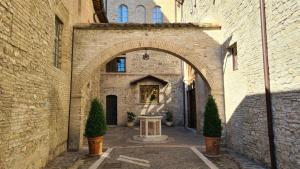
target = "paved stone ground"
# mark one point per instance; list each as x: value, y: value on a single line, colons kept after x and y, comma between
x: 243, y: 161
x: 68, y: 160
x: 173, y: 154
x: 122, y: 137
x: 158, y: 157
x: 225, y: 161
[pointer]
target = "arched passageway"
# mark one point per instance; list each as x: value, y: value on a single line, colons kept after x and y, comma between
x: 95, y: 45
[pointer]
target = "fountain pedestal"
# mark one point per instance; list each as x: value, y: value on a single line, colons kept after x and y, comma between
x: 150, y: 129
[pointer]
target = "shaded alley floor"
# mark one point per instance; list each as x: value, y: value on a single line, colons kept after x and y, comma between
x: 182, y: 150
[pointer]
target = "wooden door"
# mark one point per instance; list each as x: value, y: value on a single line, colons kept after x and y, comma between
x: 191, y: 109
x: 112, y: 110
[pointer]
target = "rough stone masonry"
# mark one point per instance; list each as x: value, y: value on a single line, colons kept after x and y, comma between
x: 34, y: 102
x: 246, y: 128
x: 34, y: 94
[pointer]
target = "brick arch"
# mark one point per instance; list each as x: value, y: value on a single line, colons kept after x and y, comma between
x: 111, y: 52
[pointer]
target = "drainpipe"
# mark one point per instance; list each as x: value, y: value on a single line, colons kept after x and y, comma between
x: 71, y: 84
x: 175, y: 11
x: 106, y: 7
x: 267, y: 84
x: 184, y: 94
x: 181, y: 13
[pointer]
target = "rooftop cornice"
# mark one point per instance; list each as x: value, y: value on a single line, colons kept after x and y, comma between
x: 137, y: 26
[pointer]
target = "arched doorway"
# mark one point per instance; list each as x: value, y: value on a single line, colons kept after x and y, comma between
x: 112, y: 110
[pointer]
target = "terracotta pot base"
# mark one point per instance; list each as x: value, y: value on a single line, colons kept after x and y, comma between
x: 169, y: 123
x: 95, y: 146
x: 130, y: 124
x: 212, y: 145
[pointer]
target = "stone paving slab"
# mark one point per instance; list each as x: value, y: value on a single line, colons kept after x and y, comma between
x: 181, y: 141
x: 68, y: 160
x: 122, y: 136
x: 158, y: 158
x: 244, y: 162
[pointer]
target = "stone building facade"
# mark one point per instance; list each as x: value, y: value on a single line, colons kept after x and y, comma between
x: 35, y: 94
x: 167, y: 68
x: 246, y: 123
x: 160, y: 65
x: 141, y: 11
x: 37, y: 120
x: 97, y: 45
x: 196, y: 92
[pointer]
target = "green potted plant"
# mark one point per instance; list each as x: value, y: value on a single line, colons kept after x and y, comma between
x: 95, y: 128
x: 169, y: 119
x: 212, y: 128
x: 130, y: 119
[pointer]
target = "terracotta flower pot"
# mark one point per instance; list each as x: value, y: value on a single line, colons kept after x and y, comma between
x: 130, y: 124
x: 95, y: 145
x: 169, y: 123
x: 212, y: 145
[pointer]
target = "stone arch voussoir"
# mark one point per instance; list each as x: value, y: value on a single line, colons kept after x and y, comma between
x: 186, y: 54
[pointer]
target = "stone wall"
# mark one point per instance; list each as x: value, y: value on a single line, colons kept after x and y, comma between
x: 167, y: 8
x: 97, y: 44
x: 193, y: 80
x: 34, y: 102
x: 161, y: 65
x: 244, y: 88
x: 202, y: 93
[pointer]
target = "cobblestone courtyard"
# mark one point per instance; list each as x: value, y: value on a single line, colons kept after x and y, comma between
x: 183, y: 150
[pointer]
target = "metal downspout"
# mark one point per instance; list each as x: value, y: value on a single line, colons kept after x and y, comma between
x: 267, y: 84
x: 71, y: 84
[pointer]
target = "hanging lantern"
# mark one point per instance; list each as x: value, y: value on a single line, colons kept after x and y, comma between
x: 146, y: 56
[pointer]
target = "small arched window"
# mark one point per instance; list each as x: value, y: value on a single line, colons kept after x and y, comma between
x: 157, y: 16
x: 140, y: 13
x: 122, y: 14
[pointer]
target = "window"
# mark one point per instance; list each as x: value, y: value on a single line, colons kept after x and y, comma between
x: 57, y: 42
x: 117, y: 65
x: 140, y: 14
x: 149, y: 94
x: 123, y: 14
x: 233, y: 50
x: 157, y: 16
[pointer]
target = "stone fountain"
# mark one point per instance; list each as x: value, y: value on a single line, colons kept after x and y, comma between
x: 150, y: 129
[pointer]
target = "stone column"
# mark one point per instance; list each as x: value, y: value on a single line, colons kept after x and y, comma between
x: 75, y: 124
x: 146, y: 127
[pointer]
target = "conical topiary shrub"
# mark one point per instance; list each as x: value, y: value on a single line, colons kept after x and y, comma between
x: 212, y: 128
x: 96, y: 123
x: 212, y: 122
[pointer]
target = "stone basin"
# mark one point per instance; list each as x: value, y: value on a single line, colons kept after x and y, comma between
x: 150, y: 129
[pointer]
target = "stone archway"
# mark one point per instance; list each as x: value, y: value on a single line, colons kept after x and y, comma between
x: 92, y: 49
x: 150, y: 44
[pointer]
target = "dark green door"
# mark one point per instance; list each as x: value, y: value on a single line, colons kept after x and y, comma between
x: 111, y: 110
